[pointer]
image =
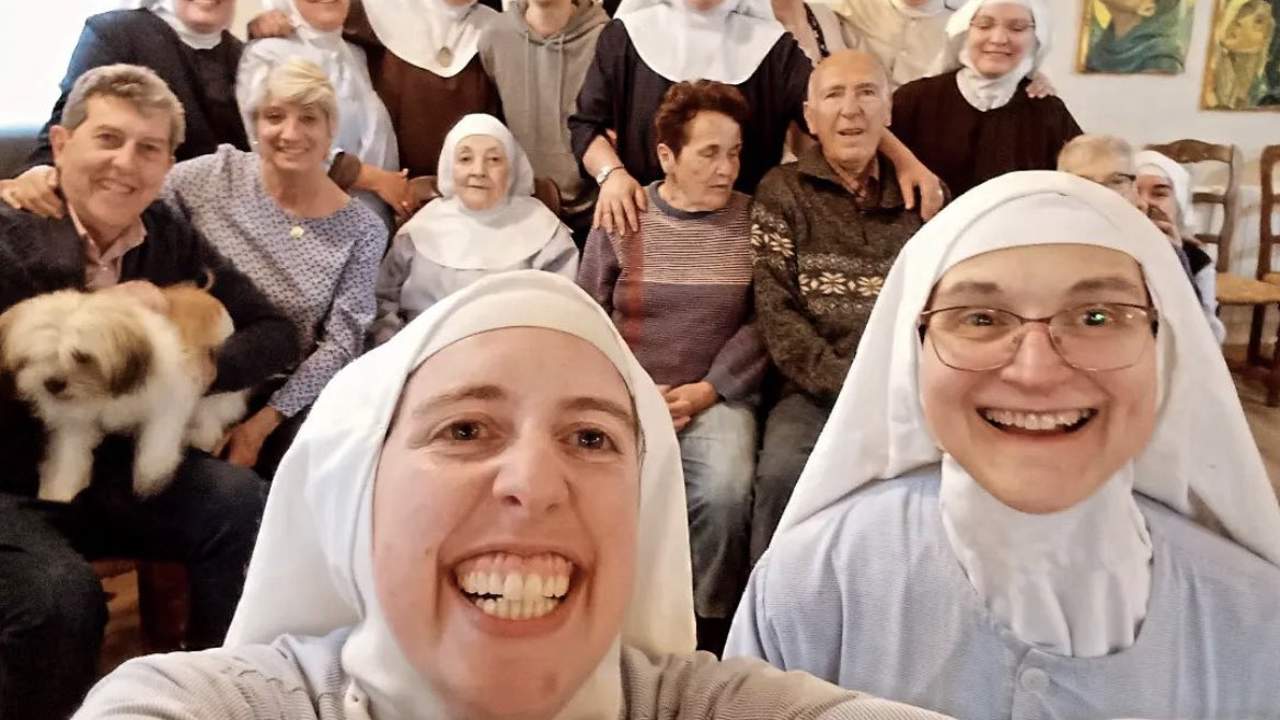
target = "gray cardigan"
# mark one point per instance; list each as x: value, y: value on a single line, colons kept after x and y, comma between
x: 300, y: 678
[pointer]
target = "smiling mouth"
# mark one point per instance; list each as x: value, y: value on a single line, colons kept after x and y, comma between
x: 512, y: 587
x: 1019, y: 422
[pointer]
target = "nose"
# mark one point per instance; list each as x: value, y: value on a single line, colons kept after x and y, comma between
x: 531, y: 478
x: 55, y: 386
x: 1036, y: 362
x: 999, y: 35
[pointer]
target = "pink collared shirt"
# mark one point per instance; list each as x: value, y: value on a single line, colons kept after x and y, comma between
x: 102, y: 267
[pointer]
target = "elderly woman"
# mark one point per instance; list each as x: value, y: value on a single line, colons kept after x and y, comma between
x: 477, y: 534
x: 653, y: 44
x: 187, y: 44
x: 366, y: 156
x: 998, y: 519
x: 312, y: 250
x: 486, y: 221
x: 974, y: 120
x: 680, y: 293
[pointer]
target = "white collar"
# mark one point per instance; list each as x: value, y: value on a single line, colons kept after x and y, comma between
x: 164, y: 9
x: 430, y: 34
x: 725, y: 44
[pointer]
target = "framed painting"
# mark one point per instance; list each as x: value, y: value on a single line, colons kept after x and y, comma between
x: 1125, y: 37
x: 1243, y: 68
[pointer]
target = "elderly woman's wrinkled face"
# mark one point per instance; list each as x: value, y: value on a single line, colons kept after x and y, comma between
x: 505, y: 512
x: 1039, y: 434
x: 1000, y: 36
x: 292, y: 137
x: 481, y: 171
x: 323, y: 15
x: 205, y: 16
x: 703, y: 173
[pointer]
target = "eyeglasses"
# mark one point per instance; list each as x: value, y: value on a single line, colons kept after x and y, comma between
x: 1095, y: 337
x: 1120, y: 182
x: 1014, y: 27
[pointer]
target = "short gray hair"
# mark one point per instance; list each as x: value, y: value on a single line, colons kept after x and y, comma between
x: 139, y: 86
x: 298, y: 82
x: 1084, y: 149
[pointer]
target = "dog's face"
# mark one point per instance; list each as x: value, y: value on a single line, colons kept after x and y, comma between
x: 68, y: 346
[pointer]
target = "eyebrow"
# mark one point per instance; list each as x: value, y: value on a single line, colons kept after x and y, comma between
x: 1095, y: 284
x: 450, y: 397
x: 608, y: 407
x: 973, y: 287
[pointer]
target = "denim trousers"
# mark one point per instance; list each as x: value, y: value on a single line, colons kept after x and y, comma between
x: 52, y: 608
x: 718, y: 452
x: 790, y: 432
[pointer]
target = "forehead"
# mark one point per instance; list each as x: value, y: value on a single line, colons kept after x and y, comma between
x: 1044, y: 272
x: 1152, y: 180
x: 480, y: 144
x: 1004, y: 11
x: 845, y: 72
x: 712, y: 127
x: 126, y: 117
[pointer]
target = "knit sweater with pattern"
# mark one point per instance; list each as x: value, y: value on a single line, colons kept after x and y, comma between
x: 821, y: 256
x: 679, y: 291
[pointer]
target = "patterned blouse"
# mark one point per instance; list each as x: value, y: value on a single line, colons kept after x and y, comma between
x: 320, y: 272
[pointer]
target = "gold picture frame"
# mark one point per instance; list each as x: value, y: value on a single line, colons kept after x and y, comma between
x: 1123, y: 37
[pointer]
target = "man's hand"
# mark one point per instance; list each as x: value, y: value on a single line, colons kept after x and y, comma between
x: 244, y: 442
x: 1166, y: 225
x: 620, y: 203
x: 144, y: 292
x: 1040, y: 87
x: 35, y: 191
x: 685, y: 402
x: 932, y: 196
x: 270, y: 24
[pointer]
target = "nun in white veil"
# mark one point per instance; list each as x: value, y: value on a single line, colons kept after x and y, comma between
x: 974, y: 117
x: 364, y: 129
x: 465, y: 529
x: 997, y: 520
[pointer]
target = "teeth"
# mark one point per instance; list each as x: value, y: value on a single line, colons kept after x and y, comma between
x: 518, y: 588
x: 517, y: 609
x: 1037, y: 421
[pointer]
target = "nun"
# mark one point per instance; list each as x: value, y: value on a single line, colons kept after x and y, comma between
x: 653, y: 44
x: 466, y: 530
x: 187, y: 44
x: 1037, y: 495
x: 973, y: 119
x: 365, y: 151
x: 486, y: 221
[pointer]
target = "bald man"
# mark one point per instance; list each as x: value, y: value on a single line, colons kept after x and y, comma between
x: 825, y: 231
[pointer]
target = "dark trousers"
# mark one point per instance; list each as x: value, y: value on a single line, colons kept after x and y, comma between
x: 52, y: 609
x: 790, y: 432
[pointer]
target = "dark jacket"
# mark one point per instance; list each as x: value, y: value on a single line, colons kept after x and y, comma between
x: 39, y: 256
x: 203, y: 80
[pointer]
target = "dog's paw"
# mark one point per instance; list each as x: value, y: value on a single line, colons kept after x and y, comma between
x: 152, y: 475
x: 58, y: 492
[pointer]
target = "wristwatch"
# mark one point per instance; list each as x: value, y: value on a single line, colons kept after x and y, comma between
x: 604, y: 173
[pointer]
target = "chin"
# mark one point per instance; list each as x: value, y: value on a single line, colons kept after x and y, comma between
x: 92, y: 364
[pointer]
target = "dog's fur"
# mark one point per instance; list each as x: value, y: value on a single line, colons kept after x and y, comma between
x: 98, y: 363
x: 204, y: 325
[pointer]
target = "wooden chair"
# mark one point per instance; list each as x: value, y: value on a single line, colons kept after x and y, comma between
x: 162, y: 598
x: 1189, y: 152
x: 1232, y: 289
x: 1256, y: 364
x: 425, y: 190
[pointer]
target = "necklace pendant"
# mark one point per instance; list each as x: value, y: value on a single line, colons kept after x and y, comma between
x: 296, y: 232
x: 445, y: 56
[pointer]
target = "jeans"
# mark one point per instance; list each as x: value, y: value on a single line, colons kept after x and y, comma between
x: 790, y: 432
x: 52, y: 609
x: 718, y: 451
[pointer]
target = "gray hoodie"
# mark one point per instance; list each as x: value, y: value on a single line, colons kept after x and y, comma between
x: 538, y: 79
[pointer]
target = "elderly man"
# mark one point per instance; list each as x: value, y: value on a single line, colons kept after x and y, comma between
x: 112, y: 148
x: 825, y: 231
x: 1161, y: 189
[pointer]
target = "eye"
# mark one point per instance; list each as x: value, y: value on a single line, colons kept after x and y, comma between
x: 978, y: 318
x: 1097, y: 317
x: 464, y: 431
x: 593, y: 439
x: 81, y: 358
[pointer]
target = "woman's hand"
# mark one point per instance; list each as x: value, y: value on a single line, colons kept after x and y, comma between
x: 270, y: 24
x: 393, y: 188
x: 35, y: 191
x: 620, y: 203
x: 1040, y: 87
x: 685, y: 402
x: 932, y: 196
x: 244, y: 442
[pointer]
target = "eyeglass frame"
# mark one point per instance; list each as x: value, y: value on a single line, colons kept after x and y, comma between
x: 1151, y: 312
x: 1030, y: 26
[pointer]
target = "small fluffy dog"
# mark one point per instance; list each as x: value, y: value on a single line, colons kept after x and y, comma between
x: 204, y: 325
x: 106, y: 362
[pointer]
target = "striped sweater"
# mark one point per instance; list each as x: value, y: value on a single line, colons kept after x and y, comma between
x: 680, y: 293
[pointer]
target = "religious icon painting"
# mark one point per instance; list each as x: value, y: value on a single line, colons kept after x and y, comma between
x: 1124, y: 37
x: 1243, y: 68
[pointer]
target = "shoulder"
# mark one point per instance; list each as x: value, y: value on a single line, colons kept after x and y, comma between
x: 121, y: 20
x: 295, y: 678
x: 778, y: 183
x: 1211, y: 557
x: 614, y: 37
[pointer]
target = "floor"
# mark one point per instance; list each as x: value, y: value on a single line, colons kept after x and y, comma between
x: 124, y: 634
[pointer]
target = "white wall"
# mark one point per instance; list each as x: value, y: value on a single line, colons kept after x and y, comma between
x: 1153, y: 108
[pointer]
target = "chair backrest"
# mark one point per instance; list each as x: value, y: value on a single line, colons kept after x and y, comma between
x: 1196, y: 151
x: 1266, y: 235
x: 425, y: 189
